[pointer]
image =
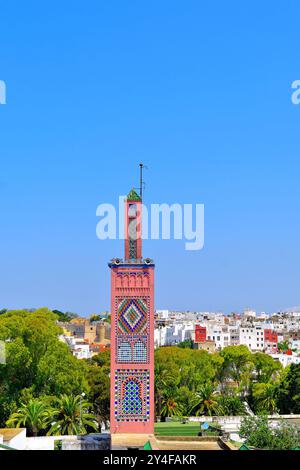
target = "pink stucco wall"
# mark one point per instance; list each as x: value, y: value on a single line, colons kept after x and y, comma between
x: 130, y: 288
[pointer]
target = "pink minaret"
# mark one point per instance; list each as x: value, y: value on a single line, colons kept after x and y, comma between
x: 132, y: 331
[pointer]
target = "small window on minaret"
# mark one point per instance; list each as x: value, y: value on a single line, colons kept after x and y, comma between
x: 132, y: 210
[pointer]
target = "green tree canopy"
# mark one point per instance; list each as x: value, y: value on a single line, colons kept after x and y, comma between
x: 289, y: 390
x: 259, y: 434
x: 265, y: 367
x: 36, y: 359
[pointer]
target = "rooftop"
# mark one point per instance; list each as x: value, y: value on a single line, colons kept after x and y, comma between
x: 133, y: 196
x: 10, y: 433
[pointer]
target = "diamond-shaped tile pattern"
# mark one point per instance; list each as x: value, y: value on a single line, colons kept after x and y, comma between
x: 132, y: 316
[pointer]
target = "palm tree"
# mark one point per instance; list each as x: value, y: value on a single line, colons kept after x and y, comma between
x: 72, y: 416
x: 34, y: 415
x: 231, y: 405
x: 284, y: 346
x: 162, y: 379
x: 205, y: 401
x: 265, y: 396
x: 169, y: 405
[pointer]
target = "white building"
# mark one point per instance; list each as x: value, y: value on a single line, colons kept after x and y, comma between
x: 253, y: 337
x: 248, y: 313
x: 219, y: 334
x: 79, y: 347
x: 173, y: 334
x: 286, y: 359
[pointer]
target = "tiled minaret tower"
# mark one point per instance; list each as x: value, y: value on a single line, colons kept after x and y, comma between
x: 132, y: 330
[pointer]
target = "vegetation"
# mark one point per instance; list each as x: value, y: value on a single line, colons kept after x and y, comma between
x: 289, y: 390
x: 205, y: 401
x: 284, y: 346
x: 48, y: 390
x: 195, y: 382
x: 59, y: 416
x: 65, y: 316
x: 94, y: 318
x: 33, y: 415
x: 259, y: 434
x: 42, y: 381
x: 72, y: 416
x: 187, y: 343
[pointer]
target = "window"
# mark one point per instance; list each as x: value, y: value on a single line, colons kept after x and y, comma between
x: 132, y: 210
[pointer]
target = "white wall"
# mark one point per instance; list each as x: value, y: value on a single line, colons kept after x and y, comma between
x: 45, y: 442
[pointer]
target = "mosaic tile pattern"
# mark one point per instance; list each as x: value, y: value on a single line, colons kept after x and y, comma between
x: 132, y: 315
x: 140, y: 351
x: 132, y: 325
x: 132, y: 249
x: 124, y: 351
x: 132, y: 349
x: 132, y: 389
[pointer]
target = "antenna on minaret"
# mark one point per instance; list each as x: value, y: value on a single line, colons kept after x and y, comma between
x: 142, y: 166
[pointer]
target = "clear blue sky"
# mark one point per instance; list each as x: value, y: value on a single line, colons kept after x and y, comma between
x: 199, y: 91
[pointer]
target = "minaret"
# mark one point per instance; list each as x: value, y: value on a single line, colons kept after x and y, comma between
x: 132, y: 330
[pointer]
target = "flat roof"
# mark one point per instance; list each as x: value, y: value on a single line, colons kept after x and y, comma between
x: 10, y: 433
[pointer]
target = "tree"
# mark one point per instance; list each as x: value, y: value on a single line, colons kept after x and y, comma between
x: 36, y: 360
x: 266, y: 367
x: 163, y: 380
x: 101, y: 359
x: 185, y: 397
x: 190, y: 367
x: 71, y: 416
x: 237, y: 364
x: 231, y: 405
x: 256, y: 431
x: 187, y: 343
x: 289, y: 390
x: 65, y: 317
x: 59, y: 372
x: 169, y: 404
x: 205, y: 401
x: 265, y: 397
x: 95, y: 318
x: 99, y: 393
x: 285, y: 436
x: 259, y: 434
x: 284, y: 346
x: 34, y: 415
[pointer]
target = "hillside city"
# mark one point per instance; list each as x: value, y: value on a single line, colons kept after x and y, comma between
x: 221, y: 382
x: 277, y: 334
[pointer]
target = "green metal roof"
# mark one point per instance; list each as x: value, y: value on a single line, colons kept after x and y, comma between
x: 244, y: 447
x: 147, y: 446
x: 133, y: 196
